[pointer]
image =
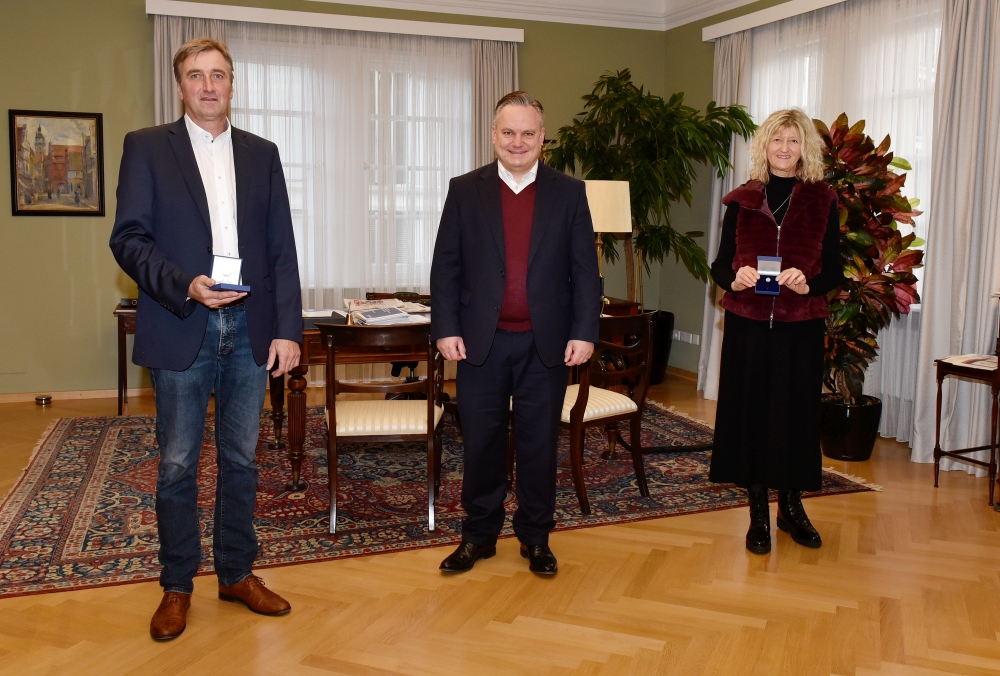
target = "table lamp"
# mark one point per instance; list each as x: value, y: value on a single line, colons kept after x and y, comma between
x: 611, y: 211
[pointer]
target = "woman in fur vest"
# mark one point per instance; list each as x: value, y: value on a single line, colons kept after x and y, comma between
x: 768, y: 415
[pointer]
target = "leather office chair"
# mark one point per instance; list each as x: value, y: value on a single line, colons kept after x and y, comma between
x: 612, y: 389
x: 383, y: 420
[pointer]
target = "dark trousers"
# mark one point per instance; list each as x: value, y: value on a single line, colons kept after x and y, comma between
x: 512, y: 369
x: 225, y: 365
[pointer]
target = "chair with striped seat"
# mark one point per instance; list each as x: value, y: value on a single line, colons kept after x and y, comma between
x: 383, y: 420
x: 612, y: 389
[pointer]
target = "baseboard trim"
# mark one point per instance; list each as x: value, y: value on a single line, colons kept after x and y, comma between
x: 682, y: 374
x: 20, y: 397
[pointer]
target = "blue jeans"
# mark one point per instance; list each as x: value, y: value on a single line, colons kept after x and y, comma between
x: 225, y: 365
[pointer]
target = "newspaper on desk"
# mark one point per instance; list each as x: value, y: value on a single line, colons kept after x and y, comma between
x: 986, y: 362
x: 386, y: 312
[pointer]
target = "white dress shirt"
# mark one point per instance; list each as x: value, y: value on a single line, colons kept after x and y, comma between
x: 218, y: 175
x: 508, y: 177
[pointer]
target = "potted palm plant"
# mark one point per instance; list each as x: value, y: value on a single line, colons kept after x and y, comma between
x: 880, y: 285
x: 626, y: 133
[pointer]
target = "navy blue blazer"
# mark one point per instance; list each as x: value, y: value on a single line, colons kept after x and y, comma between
x: 467, y: 274
x: 162, y: 238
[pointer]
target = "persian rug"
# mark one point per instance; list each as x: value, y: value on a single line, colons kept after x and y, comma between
x: 82, y: 515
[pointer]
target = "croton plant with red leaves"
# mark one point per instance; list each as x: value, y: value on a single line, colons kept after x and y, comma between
x: 878, y: 260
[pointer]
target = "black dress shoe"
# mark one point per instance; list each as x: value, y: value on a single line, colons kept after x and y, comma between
x: 793, y: 520
x: 541, y: 560
x: 463, y: 558
x: 759, y: 534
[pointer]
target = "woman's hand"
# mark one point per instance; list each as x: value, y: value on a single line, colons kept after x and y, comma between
x: 794, y: 280
x: 746, y: 277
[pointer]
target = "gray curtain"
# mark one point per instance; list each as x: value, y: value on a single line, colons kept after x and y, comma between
x: 169, y: 33
x: 730, y: 85
x: 959, y: 317
x: 494, y: 73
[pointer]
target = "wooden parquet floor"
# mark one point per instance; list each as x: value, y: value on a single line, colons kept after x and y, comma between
x: 905, y: 583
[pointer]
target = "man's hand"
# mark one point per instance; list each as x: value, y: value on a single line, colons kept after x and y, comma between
x: 746, y: 277
x: 200, y: 290
x: 286, y: 353
x: 578, y: 352
x: 794, y: 280
x: 453, y: 348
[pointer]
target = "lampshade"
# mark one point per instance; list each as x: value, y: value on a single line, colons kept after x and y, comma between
x: 610, y: 206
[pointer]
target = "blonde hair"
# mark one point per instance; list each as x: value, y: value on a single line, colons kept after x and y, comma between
x: 810, y: 167
x: 197, y: 46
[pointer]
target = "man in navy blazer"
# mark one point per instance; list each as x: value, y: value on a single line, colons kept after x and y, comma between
x: 517, y: 301
x: 187, y: 192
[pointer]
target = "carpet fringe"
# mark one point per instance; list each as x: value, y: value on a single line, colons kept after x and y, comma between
x: 856, y: 479
x: 681, y: 414
x: 38, y: 447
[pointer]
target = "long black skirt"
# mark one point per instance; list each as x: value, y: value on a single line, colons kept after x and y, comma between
x: 768, y: 415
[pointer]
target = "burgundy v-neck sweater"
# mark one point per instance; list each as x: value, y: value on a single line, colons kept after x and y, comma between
x: 518, y: 211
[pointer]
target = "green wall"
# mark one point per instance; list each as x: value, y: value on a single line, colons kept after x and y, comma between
x: 60, y: 280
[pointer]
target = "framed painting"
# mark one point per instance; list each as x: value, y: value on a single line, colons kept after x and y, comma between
x: 56, y: 163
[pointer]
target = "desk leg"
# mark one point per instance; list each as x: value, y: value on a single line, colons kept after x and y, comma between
x: 993, y: 446
x: 937, y: 429
x: 277, y: 389
x: 296, y: 424
x: 122, y: 369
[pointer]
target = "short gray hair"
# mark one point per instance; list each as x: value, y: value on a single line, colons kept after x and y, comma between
x: 519, y: 98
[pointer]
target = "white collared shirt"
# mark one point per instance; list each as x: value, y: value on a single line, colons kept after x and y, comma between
x: 218, y: 175
x: 508, y: 177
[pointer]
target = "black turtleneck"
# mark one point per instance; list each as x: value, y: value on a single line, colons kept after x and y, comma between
x: 778, y: 189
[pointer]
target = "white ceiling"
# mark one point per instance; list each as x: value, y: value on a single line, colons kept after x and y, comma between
x: 655, y: 15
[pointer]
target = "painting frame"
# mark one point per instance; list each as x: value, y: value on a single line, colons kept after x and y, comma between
x: 56, y: 179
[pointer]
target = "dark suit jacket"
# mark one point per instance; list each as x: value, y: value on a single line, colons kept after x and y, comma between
x: 162, y: 238
x: 467, y: 275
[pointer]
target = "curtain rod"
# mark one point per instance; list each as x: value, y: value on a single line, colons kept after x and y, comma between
x: 339, y: 21
x: 763, y: 17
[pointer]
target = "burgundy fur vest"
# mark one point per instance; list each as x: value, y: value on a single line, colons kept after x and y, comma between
x: 800, y: 245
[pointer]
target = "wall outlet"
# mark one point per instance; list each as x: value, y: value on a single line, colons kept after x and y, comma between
x: 685, y: 337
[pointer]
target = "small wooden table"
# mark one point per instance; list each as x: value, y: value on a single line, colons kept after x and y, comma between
x: 990, y: 377
x: 126, y: 325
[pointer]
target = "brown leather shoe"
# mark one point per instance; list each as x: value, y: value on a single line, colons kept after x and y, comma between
x: 170, y: 618
x: 251, y: 592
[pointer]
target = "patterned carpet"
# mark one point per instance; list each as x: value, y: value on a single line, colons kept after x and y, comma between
x: 82, y: 515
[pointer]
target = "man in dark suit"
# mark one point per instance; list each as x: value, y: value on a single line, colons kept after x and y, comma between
x: 188, y: 192
x: 516, y: 301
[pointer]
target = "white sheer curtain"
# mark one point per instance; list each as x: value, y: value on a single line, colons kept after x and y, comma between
x: 875, y: 60
x: 371, y: 127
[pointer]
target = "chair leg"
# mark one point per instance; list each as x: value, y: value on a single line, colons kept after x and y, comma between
x: 437, y: 462
x: 332, y: 472
x: 612, y: 432
x: 431, y: 456
x: 635, y: 432
x: 576, y: 460
x: 510, y: 454
x: 993, y: 448
x: 937, y: 432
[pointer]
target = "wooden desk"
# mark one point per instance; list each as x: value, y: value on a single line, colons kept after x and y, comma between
x: 314, y: 354
x: 126, y: 325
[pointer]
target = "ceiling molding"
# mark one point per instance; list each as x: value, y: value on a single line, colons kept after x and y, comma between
x: 654, y: 15
x: 337, y: 21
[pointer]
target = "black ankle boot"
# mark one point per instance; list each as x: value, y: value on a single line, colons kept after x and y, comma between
x: 793, y: 520
x: 759, y: 535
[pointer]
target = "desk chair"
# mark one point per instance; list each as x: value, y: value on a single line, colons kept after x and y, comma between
x: 381, y: 420
x: 620, y: 361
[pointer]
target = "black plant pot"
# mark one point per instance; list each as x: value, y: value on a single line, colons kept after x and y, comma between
x: 848, y: 431
x: 662, y: 338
